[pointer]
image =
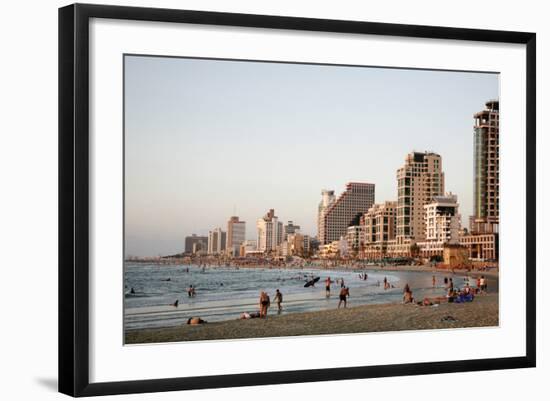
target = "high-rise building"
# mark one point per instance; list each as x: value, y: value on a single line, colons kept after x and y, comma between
x: 482, y: 242
x: 236, y: 234
x: 339, y: 214
x: 327, y: 199
x: 195, y: 239
x: 216, y: 241
x: 418, y: 181
x: 378, y: 229
x: 486, y: 170
x: 270, y: 232
x: 442, y: 225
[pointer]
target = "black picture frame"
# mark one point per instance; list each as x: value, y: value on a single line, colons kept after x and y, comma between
x: 74, y: 198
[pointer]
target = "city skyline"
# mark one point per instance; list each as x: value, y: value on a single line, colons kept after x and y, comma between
x: 188, y: 172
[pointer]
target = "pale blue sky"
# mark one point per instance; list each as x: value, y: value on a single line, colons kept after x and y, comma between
x: 207, y: 137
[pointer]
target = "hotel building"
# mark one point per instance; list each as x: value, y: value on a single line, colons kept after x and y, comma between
x: 327, y: 199
x: 270, y: 232
x: 419, y: 180
x: 236, y: 234
x: 216, y: 241
x: 336, y: 215
x: 379, y: 229
x: 442, y: 225
x: 482, y: 242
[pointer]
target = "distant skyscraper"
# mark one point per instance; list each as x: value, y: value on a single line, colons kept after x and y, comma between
x: 270, y: 232
x: 290, y: 228
x: 202, y: 242
x: 418, y: 181
x: 216, y: 241
x: 486, y: 169
x: 339, y: 214
x: 236, y: 233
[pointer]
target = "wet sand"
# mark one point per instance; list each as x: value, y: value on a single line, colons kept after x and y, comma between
x: 482, y: 312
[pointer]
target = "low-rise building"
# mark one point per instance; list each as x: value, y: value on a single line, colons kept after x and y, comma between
x: 481, y: 247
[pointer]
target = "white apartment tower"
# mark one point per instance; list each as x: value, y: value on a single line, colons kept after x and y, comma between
x: 270, y: 232
x: 442, y: 225
x: 419, y: 180
x: 216, y: 241
x: 442, y: 219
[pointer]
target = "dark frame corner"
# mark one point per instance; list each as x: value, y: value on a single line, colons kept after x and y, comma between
x: 73, y: 198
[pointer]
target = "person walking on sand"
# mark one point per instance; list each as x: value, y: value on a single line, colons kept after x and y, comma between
x: 264, y: 304
x: 279, y: 300
x: 344, y: 294
x: 327, y: 287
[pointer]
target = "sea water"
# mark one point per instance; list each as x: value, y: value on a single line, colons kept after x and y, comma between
x: 223, y: 293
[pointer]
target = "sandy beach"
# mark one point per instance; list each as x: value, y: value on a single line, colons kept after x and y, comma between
x: 482, y: 312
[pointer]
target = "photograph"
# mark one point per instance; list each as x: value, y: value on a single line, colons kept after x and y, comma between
x: 278, y: 199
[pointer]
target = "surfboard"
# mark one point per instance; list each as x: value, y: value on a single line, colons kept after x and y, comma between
x: 311, y: 282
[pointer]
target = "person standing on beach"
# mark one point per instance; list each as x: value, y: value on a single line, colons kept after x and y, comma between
x: 483, y: 284
x: 327, y: 287
x: 279, y: 300
x: 264, y: 304
x: 344, y: 294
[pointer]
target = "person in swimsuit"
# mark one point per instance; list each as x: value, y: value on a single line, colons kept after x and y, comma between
x: 344, y: 294
x: 327, y: 287
x: 279, y: 300
x: 408, y: 297
x: 264, y: 304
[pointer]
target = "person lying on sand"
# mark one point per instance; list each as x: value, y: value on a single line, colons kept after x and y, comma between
x: 196, y: 320
x: 246, y: 315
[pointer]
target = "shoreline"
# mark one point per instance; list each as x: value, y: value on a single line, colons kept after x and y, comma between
x: 343, y: 267
x: 482, y: 312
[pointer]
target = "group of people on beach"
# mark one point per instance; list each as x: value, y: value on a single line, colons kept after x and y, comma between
x: 264, y: 304
x: 453, y: 294
x: 344, y: 291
